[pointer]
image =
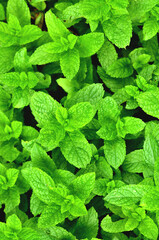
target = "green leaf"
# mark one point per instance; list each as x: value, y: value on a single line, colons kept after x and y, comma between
x: 28, y: 233
x: 121, y: 68
x: 119, y: 4
x: 78, y: 208
x: 150, y: 28
x: 93, y: 9
x: 2, y: 12
x: 107, y: 55
x: 29, y: 34
x: 115, y: 152
x: 51, y: 135
x: 108, y: 130
x: 108, y: 109
x: 131, y: 125
x: 40, y: 182
x: 134, y: 162
x: 36, y: 205
x: 20, y: 97
x: 43, y: 108
x: 151, y: 152
x: 70, y: 63
x: 14, y: 223
x: 150, y: 201
x: 113, y: 227
x: 89, y: 44
x: 83, y: 185
x: 6, y: 58
x: 11, y: 199
x: 148, y: 228
x: 79, y: 115
x: 76, y: 149
x: 118, y: 30
x: 92, y: 93
x: 55, y: 27
x: 60, y: 233
x: 149, y: 102
x: 51, y: 216
x: 12, y: 175
x: 87, y: 226
x: 20, y: 10
x: 21, y: 61
x: 42, y: 160
x: 127, y: 195
x: 42, y: 56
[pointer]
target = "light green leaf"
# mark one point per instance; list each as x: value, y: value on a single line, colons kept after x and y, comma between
x: 83, y: 185
x: 76, y: 149
x: 70, y: 63
x: 51, y: 135
x: 150, y: 28
x: 150, y: 201
x: 93, y: 9
x: 107, y: 55
x: 108, y: 130
x: 79, y: 115
x: 88, y: 224
x: 118, y: 30
x: 119, y: 4
x: 21, y: 61
x: 6, y: 58
x: 42, y: 160
x: 28, y: 233
x: 149, y: 102
x: 14, y: 223
x: 20, y: 10
x: 12, y: 175
x: 78, y: 208
x: 131, y: 125
x: 89, y: 44
x: 115, y: 152
x: 151, y: 152
x: 20, y: 97
x: 43, y: 107
x: 51, y: 216
x: 11, y: 199
x: 108, y: 109
x: 121, y: 68
x: 92, y: 93
x: 148, y: 228
x: 2, y: 12
x: 127, y: 195
x: 55, y: 27
x: 113, y: 227
x: 41, y: 183
x: 29, y: 33
x: 42, y: 56
x: 134, y: 161
x: 36, y: 205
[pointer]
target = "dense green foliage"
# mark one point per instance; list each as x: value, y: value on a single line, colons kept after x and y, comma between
x: 79, y: 129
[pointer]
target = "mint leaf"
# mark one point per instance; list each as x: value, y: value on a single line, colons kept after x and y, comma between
x: 89, y: 44
x: 113, y: 227
x: 149, y: 102
x: 76, y: 149
x: 83, y: 185
x: 55, y: 27
x: 71, y: 69
x: 79, y: 115
x: 115, y: 152
x: 20, y: 10
x: 51, y: 216
x: 121, y: 68
x: 148, y: 228
x: 40, y: 182
x: 150, y: 28
x: 43, y: 107
x: 118, y: 30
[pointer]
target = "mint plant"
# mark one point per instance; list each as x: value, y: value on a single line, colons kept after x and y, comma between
x: 79, y: 110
